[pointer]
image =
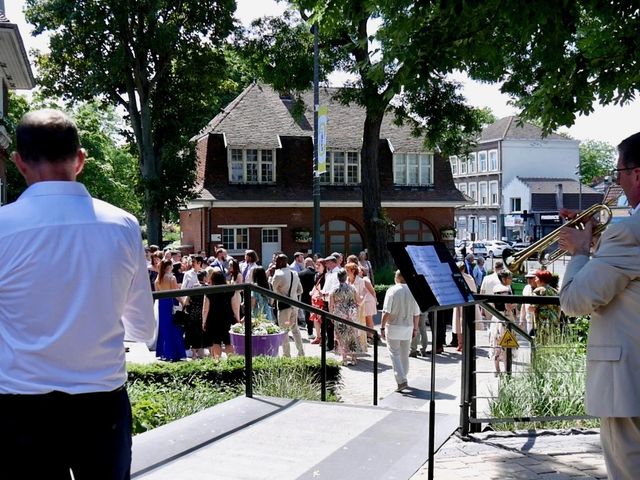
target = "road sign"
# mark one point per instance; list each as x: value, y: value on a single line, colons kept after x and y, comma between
x: 508, y: 340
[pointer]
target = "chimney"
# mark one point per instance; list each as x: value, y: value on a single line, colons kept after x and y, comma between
x: 559, y: 199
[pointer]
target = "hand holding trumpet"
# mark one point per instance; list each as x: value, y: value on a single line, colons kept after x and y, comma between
x: 575, y: 241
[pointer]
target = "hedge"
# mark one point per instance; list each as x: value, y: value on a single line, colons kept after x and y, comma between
x: 229, y: 371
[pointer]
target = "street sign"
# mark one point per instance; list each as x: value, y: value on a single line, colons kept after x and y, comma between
x: 508, y: 340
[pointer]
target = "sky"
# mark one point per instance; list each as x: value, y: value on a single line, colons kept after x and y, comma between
x: 610, y: 123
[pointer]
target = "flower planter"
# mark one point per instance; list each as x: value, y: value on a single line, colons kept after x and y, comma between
x: 267, y: 345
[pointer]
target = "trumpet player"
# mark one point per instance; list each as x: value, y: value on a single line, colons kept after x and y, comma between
x: 607, y: 287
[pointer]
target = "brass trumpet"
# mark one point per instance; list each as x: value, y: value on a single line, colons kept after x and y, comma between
x: 516, y: 261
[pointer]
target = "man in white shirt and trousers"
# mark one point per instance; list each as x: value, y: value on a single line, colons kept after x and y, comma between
x: 73, y: 287
x: 400, y: 317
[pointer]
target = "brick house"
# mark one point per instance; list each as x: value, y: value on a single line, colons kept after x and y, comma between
x: 255, y: 180
x: 15, y: 74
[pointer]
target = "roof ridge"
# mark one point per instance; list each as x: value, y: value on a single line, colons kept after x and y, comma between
x: 504, y: 134
x: 222, y: 114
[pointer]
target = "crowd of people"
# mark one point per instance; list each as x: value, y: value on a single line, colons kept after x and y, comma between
x: 196, y: 325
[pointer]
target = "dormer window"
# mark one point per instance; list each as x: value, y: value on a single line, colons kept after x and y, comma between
x: 343, y: 168
x: 252, y: 165
x: 413, y: 169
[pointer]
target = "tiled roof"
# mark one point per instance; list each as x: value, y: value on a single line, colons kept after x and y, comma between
x: 612, y: 194
x: 259, y: 116
x: 546, y: 202
x: 256, y: 117
x: 549, y: 185
x: 507, y: 128
x: 345, y: 123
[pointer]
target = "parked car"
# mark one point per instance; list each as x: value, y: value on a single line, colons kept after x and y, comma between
x: 495, y: 247
x: 478, y: 249
x: 458, y: 244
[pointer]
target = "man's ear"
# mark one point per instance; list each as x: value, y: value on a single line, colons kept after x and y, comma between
x: 19, y: 163
x: 80, y: 160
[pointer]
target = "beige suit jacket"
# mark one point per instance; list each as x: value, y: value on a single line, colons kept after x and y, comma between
x: 607, y: 287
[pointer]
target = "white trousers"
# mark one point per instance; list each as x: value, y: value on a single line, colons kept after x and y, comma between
x: 399, y: 352
x: 620, y: 439
x: 288, y: 321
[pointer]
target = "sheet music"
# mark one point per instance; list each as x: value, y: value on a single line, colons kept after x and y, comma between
x: 437, y: 274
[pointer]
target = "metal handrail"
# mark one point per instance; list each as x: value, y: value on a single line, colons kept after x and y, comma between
x: 247, y: 288
x: 469, y: 420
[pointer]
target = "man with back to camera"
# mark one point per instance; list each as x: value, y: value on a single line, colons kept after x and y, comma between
x: 607, y: 286
x: 63, y: 405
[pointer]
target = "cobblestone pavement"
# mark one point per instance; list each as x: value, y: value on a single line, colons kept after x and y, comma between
x: 553, y: 454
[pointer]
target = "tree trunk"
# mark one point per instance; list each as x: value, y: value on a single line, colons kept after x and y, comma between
x: 154, y: 221
x: 375, y: 225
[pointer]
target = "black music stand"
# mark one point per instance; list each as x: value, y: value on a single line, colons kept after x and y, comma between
x: 436, y: 284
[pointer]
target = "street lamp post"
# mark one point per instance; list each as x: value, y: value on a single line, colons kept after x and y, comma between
x: 316, y: 173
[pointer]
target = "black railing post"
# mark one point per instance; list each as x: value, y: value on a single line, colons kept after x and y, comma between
x: 509, y: 357
x: 248, y: 343
x: 376, y: 341
x: 473, y: 378
x: 323, y: 358
x: 432, y: 402
x: 468, y: 329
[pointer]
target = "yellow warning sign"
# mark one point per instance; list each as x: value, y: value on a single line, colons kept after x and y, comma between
x: 508, y: 340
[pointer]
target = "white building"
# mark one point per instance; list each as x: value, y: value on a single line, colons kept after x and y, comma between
x: 504, y: 151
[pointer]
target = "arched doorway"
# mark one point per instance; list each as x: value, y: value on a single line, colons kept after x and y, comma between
x: 412, y: 230
x: 340, y: 236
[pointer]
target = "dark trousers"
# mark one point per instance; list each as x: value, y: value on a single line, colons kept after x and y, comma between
x: 45, y: 436
x: 330, y: 330
x: 442, y: 316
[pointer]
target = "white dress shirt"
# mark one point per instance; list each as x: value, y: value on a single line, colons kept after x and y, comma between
x: 73, y: 286
x: 331, y: 282
x: 401, y: 307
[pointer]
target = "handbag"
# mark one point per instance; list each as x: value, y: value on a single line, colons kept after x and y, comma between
x: 180, y: 316
x: 283, y: 305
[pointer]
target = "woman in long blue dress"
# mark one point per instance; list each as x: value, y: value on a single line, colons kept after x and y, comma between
x: 170, y: 345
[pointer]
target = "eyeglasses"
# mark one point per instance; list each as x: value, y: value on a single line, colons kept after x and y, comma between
x: 615, y: 173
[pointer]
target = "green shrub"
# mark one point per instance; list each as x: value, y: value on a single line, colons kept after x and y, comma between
x: 228, y: 371
x: 154, y: 404
x: 381, y: 291
x: 163, y: 392
x: 385, y: 275
x: 553, y: 385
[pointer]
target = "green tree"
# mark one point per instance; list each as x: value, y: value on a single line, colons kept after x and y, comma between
x: 557, y: 58
x: 110, y: 173
x: 384, y: 63
x: 596, y: 160
x: 111, y: 169
x: 161, y: 60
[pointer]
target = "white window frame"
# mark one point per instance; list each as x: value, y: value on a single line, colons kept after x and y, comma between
x: 463, y: 188
x: 493, y: 228
x: 236, y: 247
x: 473, y: 164
x: 473, y: 191
x: 483, y: 200
x: 483, y: 228
x: 425, y: 162
x: 493, y: 201
x: 482, y: 161
x: 463, y: 165
x: 512, y: 204
x: 494, y: 163
x: 329, y: 177
x: 261, y: 162
x: 454, y: 165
